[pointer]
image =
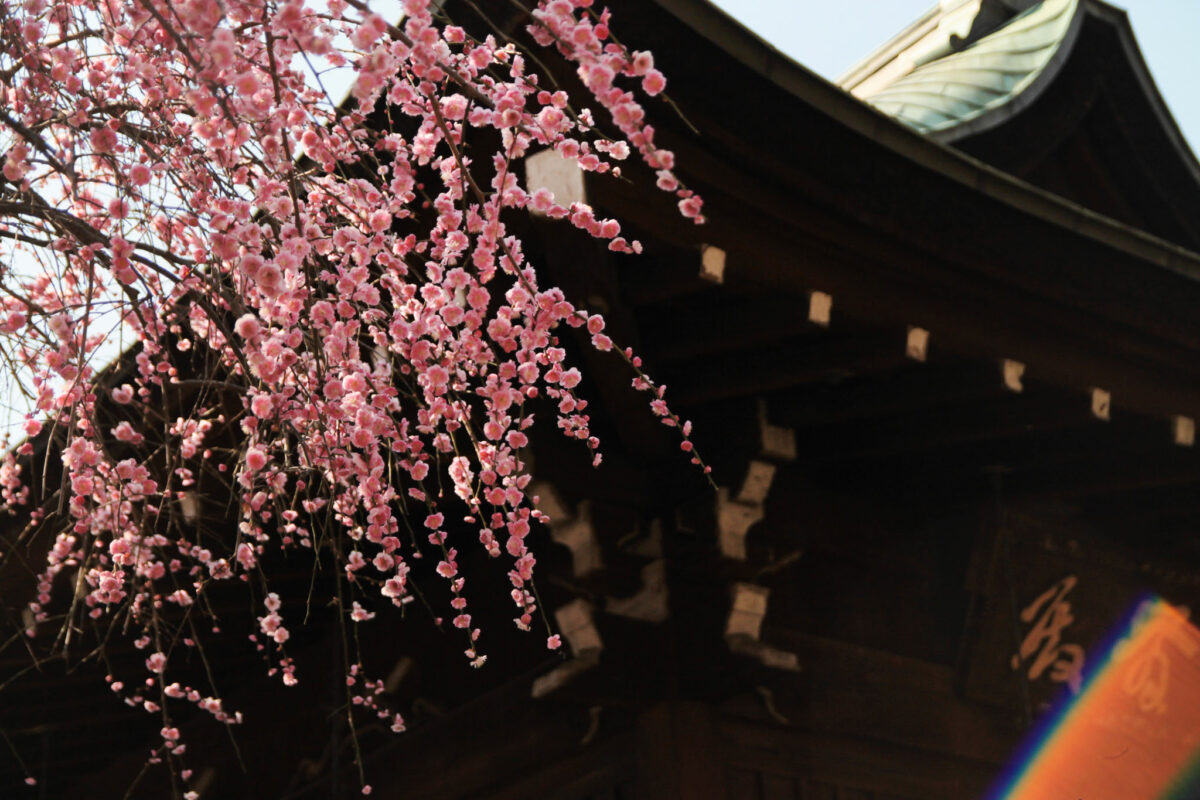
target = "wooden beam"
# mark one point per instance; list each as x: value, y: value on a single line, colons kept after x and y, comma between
x: 786, y: 366
x: 1097, y: 478
x: 876, y: 276
x: 932, y: 429
x: 664, y: 272
x: 679, y: 754
x: 1143, y: 508
x: 1067, y: 462
x: 859, y: 691
x: 677, y: 334
x: 908, y: 389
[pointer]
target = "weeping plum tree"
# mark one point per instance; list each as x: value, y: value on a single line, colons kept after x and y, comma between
x: 362, y: 327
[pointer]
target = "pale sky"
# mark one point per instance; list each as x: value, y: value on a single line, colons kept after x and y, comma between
x: 829, y: 36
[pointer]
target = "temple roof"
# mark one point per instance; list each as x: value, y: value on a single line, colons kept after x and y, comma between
x: 1055, y: 93
x: 950, y: 89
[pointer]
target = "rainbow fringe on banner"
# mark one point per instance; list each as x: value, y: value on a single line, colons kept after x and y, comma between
x: 1133, y: 732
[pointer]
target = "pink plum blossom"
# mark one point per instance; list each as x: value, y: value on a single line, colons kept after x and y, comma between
x: 354, y: 344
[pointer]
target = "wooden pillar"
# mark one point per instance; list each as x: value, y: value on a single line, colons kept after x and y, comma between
x: 678, y: 753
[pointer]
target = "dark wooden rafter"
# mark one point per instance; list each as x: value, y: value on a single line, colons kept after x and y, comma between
x: 755, y: 323
x: 663, y: 273
x: 975, y: 323
x: 966, y: 425
x: 912, y: 388
x: 1101, y: 478
x: 789, y: 364
x: 1070, y: 463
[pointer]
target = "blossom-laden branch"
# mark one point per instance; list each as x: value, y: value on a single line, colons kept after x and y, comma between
x: 357, y: 324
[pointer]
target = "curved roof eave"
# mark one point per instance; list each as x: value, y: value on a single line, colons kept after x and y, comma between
x: 992, y: 111
x: 1027, y: 53
x: 744, y: 46
x: 1119, y: 19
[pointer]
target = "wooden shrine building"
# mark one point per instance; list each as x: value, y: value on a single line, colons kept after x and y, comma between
x: 940, y: 339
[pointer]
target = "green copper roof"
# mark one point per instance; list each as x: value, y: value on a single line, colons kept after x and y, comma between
x: 997, y: 71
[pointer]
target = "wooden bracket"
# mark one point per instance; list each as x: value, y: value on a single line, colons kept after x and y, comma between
x: 736, y: 514
x: 650, y: 603
x: 747, y: 610
x: 575, y: 622
x: 778, y: 443
x: 579, y: 536
x: 560, y: 676
x: 550, y: 502
x: 744, y: 627
x: 647, y: 544
x: 757, y: 483
x: 734, y: 520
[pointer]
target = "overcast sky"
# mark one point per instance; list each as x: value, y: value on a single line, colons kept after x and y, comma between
x: 829, y: 36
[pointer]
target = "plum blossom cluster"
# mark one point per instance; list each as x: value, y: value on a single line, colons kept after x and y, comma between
x: 344, y: 300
